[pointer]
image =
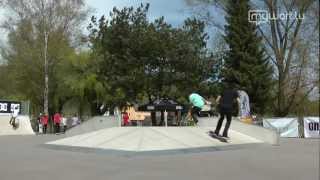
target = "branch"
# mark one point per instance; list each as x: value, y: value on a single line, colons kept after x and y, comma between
x: 271, y: 6
x: 293, y: 44
x: 266, y: 38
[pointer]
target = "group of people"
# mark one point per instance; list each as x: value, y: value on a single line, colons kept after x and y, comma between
x: 225, y: 103
x: 57, y: 119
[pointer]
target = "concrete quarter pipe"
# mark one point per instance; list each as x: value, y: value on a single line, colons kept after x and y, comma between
x: 23, y: 129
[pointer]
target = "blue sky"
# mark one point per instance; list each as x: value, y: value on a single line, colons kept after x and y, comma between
x: 174, y: 11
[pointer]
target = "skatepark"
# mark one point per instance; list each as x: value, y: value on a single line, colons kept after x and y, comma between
x: 170, y: 139
x: 105, y: 134
x: 154, y: 152
x: 159, y: 90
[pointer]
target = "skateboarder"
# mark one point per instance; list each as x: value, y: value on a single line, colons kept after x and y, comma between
x: 14, y: 115
x: 197, y: 102
x: 225, y: 104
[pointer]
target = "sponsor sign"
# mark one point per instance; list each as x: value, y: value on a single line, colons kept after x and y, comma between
x: 7, y: 107
x: 311, y: 127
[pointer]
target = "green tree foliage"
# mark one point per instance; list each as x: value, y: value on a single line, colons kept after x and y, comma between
x: 245, y: 62
x: 31, y: 22
x: 141, y: 59
x: 79, y: 82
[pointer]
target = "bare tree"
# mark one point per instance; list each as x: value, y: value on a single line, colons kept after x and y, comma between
x: 292, y: 44
x: 285, y: 37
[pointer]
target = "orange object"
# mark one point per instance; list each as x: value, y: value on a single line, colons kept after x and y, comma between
x: 247, y: 120
x: 137, y: 115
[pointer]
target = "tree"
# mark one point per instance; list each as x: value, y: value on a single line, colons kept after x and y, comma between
x: 41, y: 33
x: 79, y: 82
x: 281, y: 37
x: 245, y: 62
x: 146, y: 60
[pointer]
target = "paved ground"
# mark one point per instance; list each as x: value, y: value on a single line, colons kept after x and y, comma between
x: 24, y: 158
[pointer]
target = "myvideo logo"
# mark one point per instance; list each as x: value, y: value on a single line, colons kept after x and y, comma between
x: 263, y: 16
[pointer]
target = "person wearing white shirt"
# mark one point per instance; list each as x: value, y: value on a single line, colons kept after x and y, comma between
x: 64, y: 123
x: 14, y: 116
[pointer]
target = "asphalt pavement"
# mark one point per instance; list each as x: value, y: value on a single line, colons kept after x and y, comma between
x: 26, y: 158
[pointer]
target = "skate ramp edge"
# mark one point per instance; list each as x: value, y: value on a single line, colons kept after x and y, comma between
x: 93, y: 124
x: 265, y: 135
x: 23, y: 129
x: 261, y: 133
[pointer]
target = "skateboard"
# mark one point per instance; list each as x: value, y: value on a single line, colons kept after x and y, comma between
x: 220, y: 138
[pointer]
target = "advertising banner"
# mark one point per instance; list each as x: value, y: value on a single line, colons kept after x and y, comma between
x: 286, y: 127
x: 311, y: 127
x: 7, y: 107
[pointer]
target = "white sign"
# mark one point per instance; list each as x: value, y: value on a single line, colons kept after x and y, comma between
x: 3, y: 107
x: 286, y: 127
x: 311, y: 127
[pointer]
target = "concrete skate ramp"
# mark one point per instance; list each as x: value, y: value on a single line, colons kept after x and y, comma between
x: 150, y: 139
x: 93, y: 124
x: 23, y: 129
x: 266, y: 135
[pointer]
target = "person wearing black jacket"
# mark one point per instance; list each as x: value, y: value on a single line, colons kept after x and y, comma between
x: 225, y: 103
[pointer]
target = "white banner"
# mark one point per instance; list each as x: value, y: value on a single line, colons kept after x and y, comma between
x: 286, y: 127
x: 311, y: 127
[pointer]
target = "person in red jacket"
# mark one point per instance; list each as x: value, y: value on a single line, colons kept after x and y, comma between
x: 57, y: 121
x: 44, y: 122
x: 125, y: 118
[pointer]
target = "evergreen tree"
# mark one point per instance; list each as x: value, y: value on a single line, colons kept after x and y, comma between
x: 245, y: 63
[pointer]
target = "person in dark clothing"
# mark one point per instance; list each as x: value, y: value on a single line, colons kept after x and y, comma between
x: 225, y: 103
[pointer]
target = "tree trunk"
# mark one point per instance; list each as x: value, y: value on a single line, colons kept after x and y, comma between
x: 300, y: 121
x: 281, y: 109
x: 46, y: 75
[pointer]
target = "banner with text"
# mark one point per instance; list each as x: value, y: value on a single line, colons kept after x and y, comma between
x: 6, y: 107
x: 311, y: 127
